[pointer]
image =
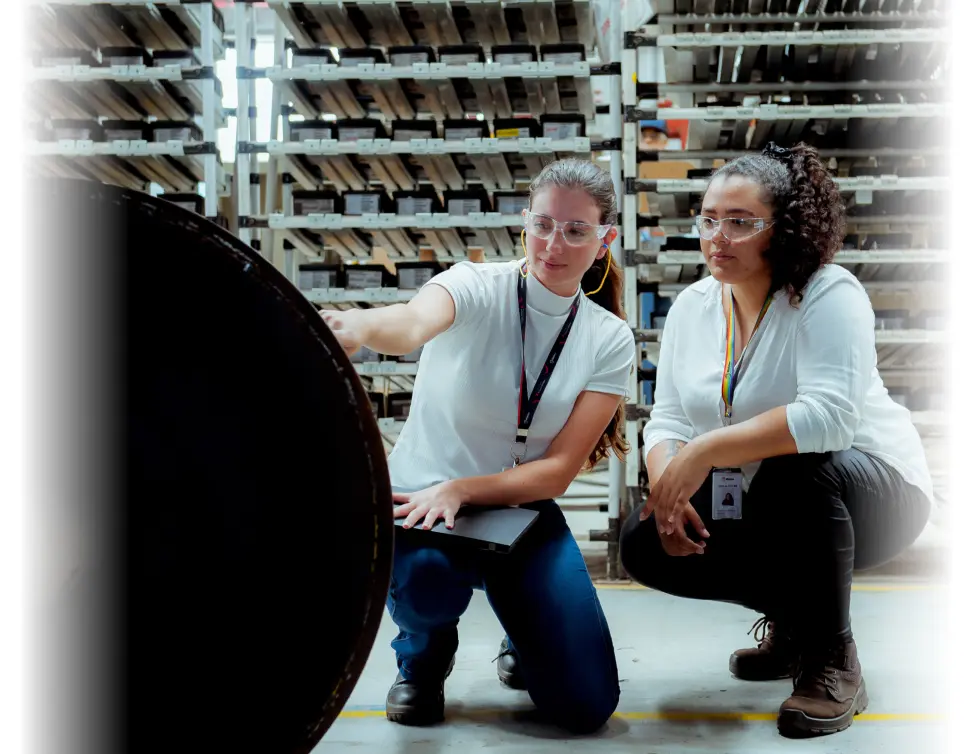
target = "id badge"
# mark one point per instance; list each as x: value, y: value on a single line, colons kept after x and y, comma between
x: 726, y: 494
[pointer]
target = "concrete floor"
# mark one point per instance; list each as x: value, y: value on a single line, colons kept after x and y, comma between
x: 677, y: 692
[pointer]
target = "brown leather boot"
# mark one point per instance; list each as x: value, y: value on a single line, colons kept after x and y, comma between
x: 774, y: 657
x: 829, y: 693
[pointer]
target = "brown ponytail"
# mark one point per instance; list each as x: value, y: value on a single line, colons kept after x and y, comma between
x: 611, y: 298
x: 589, y: 177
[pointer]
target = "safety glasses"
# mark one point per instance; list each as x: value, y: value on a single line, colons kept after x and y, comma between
x: 573, y: 232
x: 732, y: 228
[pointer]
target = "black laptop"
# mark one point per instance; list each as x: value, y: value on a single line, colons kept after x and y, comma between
x: 497, y: 529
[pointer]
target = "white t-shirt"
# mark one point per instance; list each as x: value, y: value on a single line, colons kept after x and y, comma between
x: 819, y: 360
x: 463, y: 417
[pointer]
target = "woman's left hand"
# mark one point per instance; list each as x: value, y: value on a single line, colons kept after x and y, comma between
x: 436, y: 502
x: 683, y: 477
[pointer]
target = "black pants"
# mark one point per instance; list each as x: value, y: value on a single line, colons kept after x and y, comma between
x: 807, y: 522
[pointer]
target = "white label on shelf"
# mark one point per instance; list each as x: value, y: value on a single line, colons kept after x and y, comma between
x: 512, y: 205
x: 300, y: 61
x: 409, y: 58
x: 52, y: 61
x: 361, y: 204
x: 513, y: 58
x: 361, y: 279
x: 123, y: 134
x: 561, y: 130
x: 411, y: 278
x: 462, y: 58
x: 182, y: 61
x: 402, y: 134
x: 305, y: 134
x: 563, y: 58
x: 309, y: 279
x: 464, y: 206
x: 124, y: 60
x: 182, y: 133
x: 459, y: 134
x: 72, y: 133
x: 355, y: 134
x: 356, y: 62
x: 414, y: 205
x: 317, y: 206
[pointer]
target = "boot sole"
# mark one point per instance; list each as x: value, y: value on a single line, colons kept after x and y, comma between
x: 414, y: 716
x: 796, y: 724
x: 406, y: 714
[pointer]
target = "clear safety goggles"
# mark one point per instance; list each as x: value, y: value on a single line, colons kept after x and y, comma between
x: 732, y: 228
x: 573, y: 232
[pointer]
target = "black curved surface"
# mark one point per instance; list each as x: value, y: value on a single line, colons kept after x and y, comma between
x: 254, y: 516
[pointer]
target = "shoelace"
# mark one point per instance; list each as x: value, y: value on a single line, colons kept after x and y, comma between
x: 815, y: 667
x: 503, y: 651
x: 760, y: 625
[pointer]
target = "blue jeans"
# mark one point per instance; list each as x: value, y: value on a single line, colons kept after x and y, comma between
x: 544, y: 599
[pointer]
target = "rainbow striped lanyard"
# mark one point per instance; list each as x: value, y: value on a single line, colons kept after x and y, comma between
x: 729, y: 377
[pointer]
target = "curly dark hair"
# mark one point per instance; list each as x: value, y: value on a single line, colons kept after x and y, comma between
x: 808, y: 210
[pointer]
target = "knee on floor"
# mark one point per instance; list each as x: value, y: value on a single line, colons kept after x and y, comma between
x: 584, y: 714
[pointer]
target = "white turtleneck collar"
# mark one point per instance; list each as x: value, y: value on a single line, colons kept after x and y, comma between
x: 545, y: 301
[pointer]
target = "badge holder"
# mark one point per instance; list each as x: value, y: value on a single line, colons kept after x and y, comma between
x: 726, y: 490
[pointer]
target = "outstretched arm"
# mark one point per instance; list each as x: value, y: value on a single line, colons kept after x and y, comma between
x: 398, y: 329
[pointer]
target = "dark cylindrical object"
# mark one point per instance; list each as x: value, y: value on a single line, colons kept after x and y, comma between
x: 236, y: 561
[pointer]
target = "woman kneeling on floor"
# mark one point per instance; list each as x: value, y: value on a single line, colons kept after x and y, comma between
x: 775, y: 455
x: 507, y: 343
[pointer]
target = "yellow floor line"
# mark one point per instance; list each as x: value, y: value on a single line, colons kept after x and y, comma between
x: 750, y: 717
x: 620, y: 587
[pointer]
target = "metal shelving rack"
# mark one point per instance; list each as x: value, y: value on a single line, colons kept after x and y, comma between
x: 125, y: 93
x: 412, y: 90
x: 859, y: 79
x: 339, y: 59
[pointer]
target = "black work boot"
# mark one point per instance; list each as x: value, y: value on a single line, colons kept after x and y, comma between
x: 416, y: 702
x: 774, y: 657
x: 829, y: 692
x: 508, y: 667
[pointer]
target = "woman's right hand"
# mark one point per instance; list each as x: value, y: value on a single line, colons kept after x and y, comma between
x: 347, y: 328
x: 677, y: 543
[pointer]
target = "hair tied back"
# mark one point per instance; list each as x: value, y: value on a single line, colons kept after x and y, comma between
x: 782, y: 154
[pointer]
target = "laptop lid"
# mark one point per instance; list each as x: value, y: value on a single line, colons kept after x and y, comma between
x: 497, y: 529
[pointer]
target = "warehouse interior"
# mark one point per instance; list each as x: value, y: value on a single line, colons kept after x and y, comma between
x: 364, y: 146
